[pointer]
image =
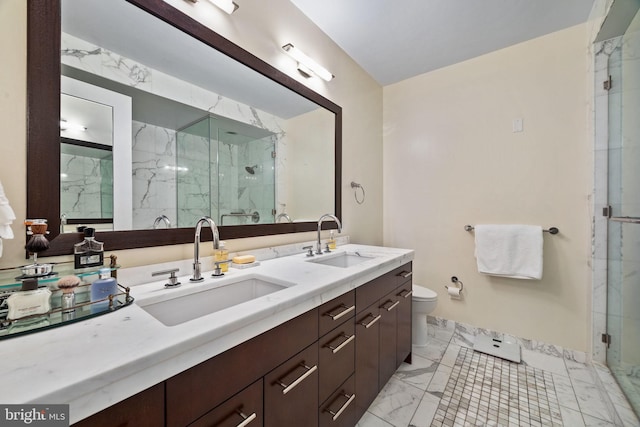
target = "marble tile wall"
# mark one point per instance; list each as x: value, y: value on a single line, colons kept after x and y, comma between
x: 85, y: 56
x: 82, y: 190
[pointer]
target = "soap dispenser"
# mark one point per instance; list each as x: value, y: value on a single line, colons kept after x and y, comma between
x: 332, y: 241
x: 222, y: 254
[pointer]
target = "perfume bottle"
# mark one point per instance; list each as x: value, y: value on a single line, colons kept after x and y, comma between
x: 89, y: 252
x: 29, y: 301
x: 101, y: 288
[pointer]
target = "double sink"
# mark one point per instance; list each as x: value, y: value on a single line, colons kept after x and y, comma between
x: 219, y: 294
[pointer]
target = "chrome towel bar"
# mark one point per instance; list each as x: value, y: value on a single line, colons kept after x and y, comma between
x: 551, y: 230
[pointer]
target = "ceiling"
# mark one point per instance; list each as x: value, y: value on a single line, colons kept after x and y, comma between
x: 395, y: 40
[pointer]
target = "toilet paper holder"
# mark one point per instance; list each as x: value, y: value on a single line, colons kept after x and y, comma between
x: 455, y: 280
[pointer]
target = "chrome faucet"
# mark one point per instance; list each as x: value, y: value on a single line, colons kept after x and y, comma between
x: 161, y: 218
x: 333, y: 217
x: 285, y: 216
x: 197, y: 276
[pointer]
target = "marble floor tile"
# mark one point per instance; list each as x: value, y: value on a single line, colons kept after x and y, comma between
x: 450, y: 356
x: 397, y: 403
x: 544, y: 390
x: 571, y: 418
x: 434, y: 350
x: 419, y: 373
x: 439, y: 380
x: 544, y: 361
x: 426, y: 411
x: 590, y: 421
x: 590, y: 400
x: 370, y: 420
x: 564, y: 390
x: 580, y: 372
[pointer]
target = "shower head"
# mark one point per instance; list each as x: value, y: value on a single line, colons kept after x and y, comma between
x: 251, y: 169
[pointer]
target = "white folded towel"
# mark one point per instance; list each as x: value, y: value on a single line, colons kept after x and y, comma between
x: 6, y: 218
x: 510, y: 250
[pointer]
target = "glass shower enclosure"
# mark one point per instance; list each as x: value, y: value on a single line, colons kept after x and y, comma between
x: 623, y: 229
x: 225, y: 170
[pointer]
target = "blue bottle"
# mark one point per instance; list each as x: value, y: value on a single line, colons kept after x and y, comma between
x: 101, y: 289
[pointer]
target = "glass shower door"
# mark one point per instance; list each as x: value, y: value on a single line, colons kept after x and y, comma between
x: 623, y: 287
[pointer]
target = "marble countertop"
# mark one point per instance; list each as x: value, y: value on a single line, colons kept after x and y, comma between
x: 96, y: 363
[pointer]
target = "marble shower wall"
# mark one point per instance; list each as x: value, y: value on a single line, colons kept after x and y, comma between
x: 152, y: 186
x: 83, y: 192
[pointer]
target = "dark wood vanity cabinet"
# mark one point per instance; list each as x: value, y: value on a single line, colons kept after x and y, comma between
x: 383, y: 332
x: 145, y: 409
x: 322, y: 368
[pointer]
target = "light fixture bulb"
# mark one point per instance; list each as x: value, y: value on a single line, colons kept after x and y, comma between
x: 227, y: 5
x: 308, y: 63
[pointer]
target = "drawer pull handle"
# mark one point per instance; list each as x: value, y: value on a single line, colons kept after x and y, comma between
x: 407, y: 293
x: 342, y: 344
x: 405, y: 274
x: 343, y: 407
x: 342, y: 313
x: 247, y: 419
x: 391, y: 307
x: 370, y: 324
x: 287, y: 388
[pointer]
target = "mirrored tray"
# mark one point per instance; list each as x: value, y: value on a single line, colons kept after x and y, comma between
x: 83, y: 309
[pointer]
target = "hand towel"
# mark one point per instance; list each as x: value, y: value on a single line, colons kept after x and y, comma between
x: 510, y: 250
x: 6, y: 218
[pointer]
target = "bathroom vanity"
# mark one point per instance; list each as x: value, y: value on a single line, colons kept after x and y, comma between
x: 315, y: 351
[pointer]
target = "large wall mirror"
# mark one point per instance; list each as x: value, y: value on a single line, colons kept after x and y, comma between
x: 141, y: 120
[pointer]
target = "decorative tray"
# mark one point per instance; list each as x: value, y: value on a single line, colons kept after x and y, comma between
x: 83, y: 309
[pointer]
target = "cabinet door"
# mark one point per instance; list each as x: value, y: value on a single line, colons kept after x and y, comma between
x: 339, y: 410
x: 244, y: 409
x: 337, y: 353
x: 403, y: 293
x: 367, y: 362
x: 291, y: 391
x: 145, y: 409
x: 388, y: 337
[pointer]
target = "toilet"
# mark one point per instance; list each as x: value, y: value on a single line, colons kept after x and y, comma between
x: 424, y: 302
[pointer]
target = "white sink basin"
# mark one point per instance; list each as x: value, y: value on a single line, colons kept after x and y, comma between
x: 184, y: 308
x: 342, y: 260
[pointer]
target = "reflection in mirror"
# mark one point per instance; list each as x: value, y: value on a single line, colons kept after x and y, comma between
x: 199, y: 147
x: 174, y: 72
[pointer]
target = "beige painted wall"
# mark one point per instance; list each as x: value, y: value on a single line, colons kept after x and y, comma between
x: 262, y: 28
x: 451, y: 158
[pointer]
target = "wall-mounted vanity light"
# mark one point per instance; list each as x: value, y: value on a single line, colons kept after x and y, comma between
x: 73, y: 127
x: 307, y: 66
x: 227, y: 5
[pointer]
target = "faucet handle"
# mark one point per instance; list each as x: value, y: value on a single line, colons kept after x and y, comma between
x: 327, y: 249
x: 217, y: 271
x: 173, y: 280
x: 309, y: 249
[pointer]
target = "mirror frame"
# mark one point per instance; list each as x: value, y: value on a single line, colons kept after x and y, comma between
x: 43, y: 130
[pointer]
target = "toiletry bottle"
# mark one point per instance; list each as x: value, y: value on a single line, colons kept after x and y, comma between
x: 222, y: 254
x: 89, y: 252
x: 29, y: 301
x: 101, y: 288
x: 332, y: 241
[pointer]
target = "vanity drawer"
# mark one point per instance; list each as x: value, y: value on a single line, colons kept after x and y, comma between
x: 340, y: 409
x: 337, y: 311
x: 235, y: 368
x: 291, y: 391
x: 372, y: 291
x: 337, y: 358
x: 244, y: 407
